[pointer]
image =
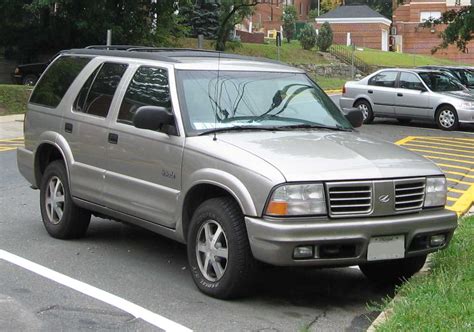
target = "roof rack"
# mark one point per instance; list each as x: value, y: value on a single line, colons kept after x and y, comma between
x: 114, y: 47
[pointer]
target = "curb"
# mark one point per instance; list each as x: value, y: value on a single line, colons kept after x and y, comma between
x: 333, y: 91
x: 12, y: 118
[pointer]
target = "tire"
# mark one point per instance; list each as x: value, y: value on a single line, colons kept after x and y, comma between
x: 30, y: 80
x: 61, y: 217
x: 220, y: 277
x: 366, y: 109
x: 447, y: 118
x: 404, y: 121
x: 393, y: 271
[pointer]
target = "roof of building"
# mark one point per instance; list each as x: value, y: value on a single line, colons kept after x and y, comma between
x: 353, y: 13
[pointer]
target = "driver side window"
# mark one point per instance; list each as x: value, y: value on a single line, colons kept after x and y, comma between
x: 411, y: 82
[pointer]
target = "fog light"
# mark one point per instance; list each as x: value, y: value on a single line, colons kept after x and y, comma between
x: 437, y: 240
x: 303, y: 252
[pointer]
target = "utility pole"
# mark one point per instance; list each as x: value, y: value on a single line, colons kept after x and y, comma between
x: 319, y: 6
x: 109, y: 37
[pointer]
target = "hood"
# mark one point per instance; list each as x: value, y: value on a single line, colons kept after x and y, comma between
x: 323, y: 155
x: 465, y: 94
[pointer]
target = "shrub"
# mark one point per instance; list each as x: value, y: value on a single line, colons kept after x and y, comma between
x: 289, y: 21
x: 324, y: 40
x: 308, y: 37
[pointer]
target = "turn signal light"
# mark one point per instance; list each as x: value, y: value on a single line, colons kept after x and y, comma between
x: 277, y: 208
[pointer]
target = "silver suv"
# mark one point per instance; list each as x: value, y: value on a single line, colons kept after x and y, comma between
x: 409, y: 94
x: 244, y: 160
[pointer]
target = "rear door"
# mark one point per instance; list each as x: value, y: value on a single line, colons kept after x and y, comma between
x: 85, y: 129
x: 381, y: 90
x: 144, y: 166
x: 412, y: 99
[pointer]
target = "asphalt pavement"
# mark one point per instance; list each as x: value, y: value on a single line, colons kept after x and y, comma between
x: 150, y: 271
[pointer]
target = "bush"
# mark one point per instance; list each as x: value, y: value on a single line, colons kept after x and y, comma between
x: 289, y: 21
x: 324, y: 40
x: 308, y: 37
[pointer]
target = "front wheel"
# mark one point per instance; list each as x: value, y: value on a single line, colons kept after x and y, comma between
x: 366, y: 109
x: 219, y: 253
x: 392, y: 271
x: 61, y: 217
x: 447, y: 118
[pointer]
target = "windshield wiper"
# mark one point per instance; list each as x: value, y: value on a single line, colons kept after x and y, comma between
x: 314, y: 126
x: 237, y: 128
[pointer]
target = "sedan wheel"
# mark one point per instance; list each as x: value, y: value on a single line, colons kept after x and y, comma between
x: 366, y: 110
x: 447, y: 119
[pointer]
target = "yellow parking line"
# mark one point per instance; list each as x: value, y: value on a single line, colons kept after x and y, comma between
x: 443, y: 153
x: 444, y: 144
x: 449, y: 159
x: 459, y: 173
x: 3, y: 149
x: 460, y: 181
x: 11, y: 139
x: 459, y: 191
x: 455, y: 166
x: 437, y: 147
x: 464, y: 202
x: 445, y: 139
x: 452, y: 199
x: 405, y: 140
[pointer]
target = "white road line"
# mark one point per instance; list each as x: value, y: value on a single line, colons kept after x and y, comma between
x: 133, y: 309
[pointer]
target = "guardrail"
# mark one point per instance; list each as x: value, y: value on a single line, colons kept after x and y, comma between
x: 347, y: 55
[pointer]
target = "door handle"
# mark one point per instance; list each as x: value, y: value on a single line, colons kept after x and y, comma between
x: 400, y: 94
x: 68, y: 127
x: 113, y: 138
x: 370, y: 91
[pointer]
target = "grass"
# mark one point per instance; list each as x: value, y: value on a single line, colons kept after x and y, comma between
x: 13, y: 99
x: 329, y: 83
x: 290, y: 52
x: 393, y: 59
x: 443, y: 299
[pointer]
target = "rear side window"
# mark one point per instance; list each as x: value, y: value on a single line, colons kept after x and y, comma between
x: 149, y: 87
x: 97, y: 93
x: 386, y: 79
x: 56, y: 81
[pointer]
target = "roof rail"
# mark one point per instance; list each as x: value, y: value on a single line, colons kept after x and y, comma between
x: 114, y: 47
x: 169, y: 49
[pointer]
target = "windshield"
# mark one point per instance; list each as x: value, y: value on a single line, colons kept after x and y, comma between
x: 440, y: 82
x: 260, y: 100
x: 467, y: 76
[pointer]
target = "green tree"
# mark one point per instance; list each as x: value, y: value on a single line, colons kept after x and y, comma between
x: 289, y: 22
x: 60, y: 24
x: 328, y: 5
x: 324, y: 40
x: 202, y: 19
x: 312, y: 14
x: 308, y: 37
x: 460, y: 28
x: 232, y: 12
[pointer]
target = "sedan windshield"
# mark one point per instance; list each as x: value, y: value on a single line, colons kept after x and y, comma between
x: 440, y: 82
x: 239, y: 100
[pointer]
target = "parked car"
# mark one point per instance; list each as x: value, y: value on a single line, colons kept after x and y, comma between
x: 407, y: 94
x: 242, y: 159
x: 465, y: 75
x: 28, y: 74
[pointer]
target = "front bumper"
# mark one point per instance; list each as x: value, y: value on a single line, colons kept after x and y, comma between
x: 465, y: 115
x: 273, y: 240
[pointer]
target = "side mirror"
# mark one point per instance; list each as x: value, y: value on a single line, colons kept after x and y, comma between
x: 152, y: 117
x: 354, y: 116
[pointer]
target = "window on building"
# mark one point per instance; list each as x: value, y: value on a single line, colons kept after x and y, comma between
x: 425, y: 16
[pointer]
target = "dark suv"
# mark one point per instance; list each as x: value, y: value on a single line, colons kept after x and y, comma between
x: 465, y: 75
x: 28, y: 74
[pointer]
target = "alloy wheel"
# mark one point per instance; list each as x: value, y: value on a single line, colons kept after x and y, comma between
x: 365, y: 110
x: 447, y: 118
x: 212, y: 250
x: 54, y: 201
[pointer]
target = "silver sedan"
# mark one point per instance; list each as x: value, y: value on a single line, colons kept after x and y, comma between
x: 408, y: 94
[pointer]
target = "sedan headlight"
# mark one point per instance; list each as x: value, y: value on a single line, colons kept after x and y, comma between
x: 17, y: 70
x: 297, y: 200
x: 436, y: 191
x: 467, y: 104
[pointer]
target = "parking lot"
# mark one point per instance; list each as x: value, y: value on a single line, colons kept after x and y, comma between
x: 119, y: 271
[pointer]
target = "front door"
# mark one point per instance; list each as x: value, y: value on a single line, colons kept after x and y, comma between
x: 412, y: 100
x: 144, y: 167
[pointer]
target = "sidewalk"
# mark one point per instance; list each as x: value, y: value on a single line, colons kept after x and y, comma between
x: 11, y: 126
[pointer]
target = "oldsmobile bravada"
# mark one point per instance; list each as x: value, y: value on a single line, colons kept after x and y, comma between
x: 242, y: 159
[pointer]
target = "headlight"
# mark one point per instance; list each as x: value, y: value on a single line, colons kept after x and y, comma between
x: 17, y: 71
x: 436, y: 191
x: 467, y: 104
x: 297, y: 200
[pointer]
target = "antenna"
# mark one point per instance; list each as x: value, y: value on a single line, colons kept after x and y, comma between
x: 217, y: 97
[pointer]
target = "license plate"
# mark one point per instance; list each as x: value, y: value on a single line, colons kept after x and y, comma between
x: 386, y: 247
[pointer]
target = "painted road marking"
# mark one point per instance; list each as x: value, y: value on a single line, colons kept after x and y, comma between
x: 10, y: 144
x: 127, y: 306
x: 455, y: 157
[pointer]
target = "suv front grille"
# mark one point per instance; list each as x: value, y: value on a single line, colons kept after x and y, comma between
x: 350, y: 198
x: 409, y: 195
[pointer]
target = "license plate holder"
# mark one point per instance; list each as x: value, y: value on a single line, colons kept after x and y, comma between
x: 386, y: 247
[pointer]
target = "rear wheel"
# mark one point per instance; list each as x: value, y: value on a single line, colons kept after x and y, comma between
x: 219, y: 253
x: 61, y: 217
x: 447, y: 118
x: 366, y: 109
x: 30, y: 80
x: 393, y: 270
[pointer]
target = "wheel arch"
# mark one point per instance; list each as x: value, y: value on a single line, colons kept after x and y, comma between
x: 441, y: 105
